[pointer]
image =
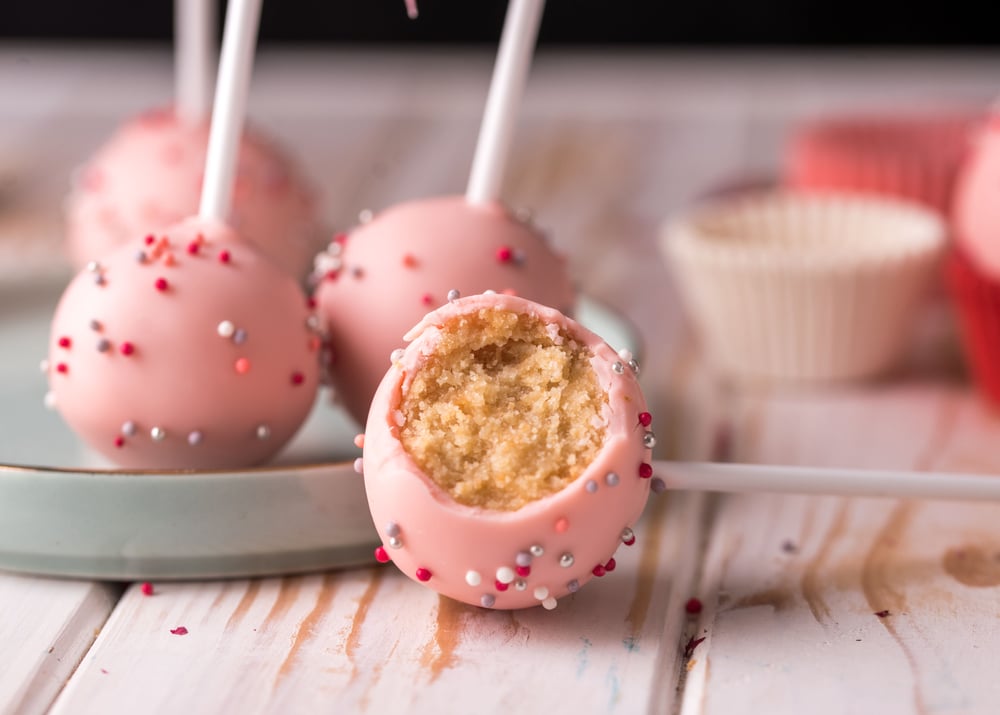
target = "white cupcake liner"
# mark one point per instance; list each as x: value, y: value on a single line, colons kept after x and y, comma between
x: 811, y: 286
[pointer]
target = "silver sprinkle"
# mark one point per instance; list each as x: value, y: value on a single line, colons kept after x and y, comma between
x: 520, y: 584
x: 591, y: 486
x: 573, y: 586
x: 536, y: 550
x: 488, y: 600
x: 194, y: 438
x: 392, y: 528
x: 519, y: 256
x: 359, y: 466
x: 453, y: 295
x: 158, y: 434
x: 611, y: 479
x: 99, y: 279
x: 617, y: 367
x: 140, y: 256
x: 95, y: 325
x: 658, y: 485
x: 263, y: 432
x: 395, y: 542
x: 634, y: 366
x: 566, y: 560
x: 365, y: 215
x: 240, y: 336
x: 649, y: 440
x: 103, y: 345
x: 523, y: 558
x: 128, y: 428
x: 627, y: 534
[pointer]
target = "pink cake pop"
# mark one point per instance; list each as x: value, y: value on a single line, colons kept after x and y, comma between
x: 527, y: 518
x: 163, y: 354
x: 377, y: 281
x: 148, y: 175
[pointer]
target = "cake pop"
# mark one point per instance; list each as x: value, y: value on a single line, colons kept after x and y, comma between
x: 381, y: 278
x: 506, y: 453
x: 148, y: 175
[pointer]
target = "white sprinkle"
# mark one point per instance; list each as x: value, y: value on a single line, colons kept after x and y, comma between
x: 226, y: 329
x: 43, y: 366
x: 128, y: 428
x: 359, y: 465
x: 541, y: 593
x: 312, y: 322
x: 50, y: 400
x: 396, y: 355
x: 263, y: 432
x: 93, y: 267
x: 194, y: 438
x: 473, y: 578
x: 505, y: 574
x: 335, y: 248
x: 365, y: 215
x: 549, y: 603
x: 625, y: 355
x: 158, y: 434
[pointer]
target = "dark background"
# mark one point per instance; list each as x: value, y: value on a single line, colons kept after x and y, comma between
x: 649, y: 23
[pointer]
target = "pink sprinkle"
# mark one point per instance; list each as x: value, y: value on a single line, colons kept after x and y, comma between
x: 504, y: 254
x: 359, y: 440
x: 645, y: 419
x: 500, y: 586
x: 409, y: 260
x: 161, y: 284
x: 523, y: 571
x: 242, y: 366
x: 645, y: 470
x: 562, y: 524
x: 610, y: 566
x: 224, y: 256
x: 423, y: 574
x: 426, y: 299
x: 168, y: 259
x: 298, y: 378
x: 693, y: 606
x: 382, y: 556
x: 62, y: 367
x: 119, y: 441
x: 340, y: 238
x: 65, y: 342
x: 146, y: 588
x: 599, y: 570
x: 179, y: 631
x: 126, y: 348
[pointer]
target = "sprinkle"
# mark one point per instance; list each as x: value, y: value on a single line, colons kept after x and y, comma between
x: 103, y: 345
x: 364, y: 216
x: 396, y: 355
x: 488, y: 600
x: 523, y: 558
x: 298, y: 378
x: 65, y: 343
x: 453, y: 295
x: 43, y: 366
x: 193, y: 248
x: 224, y: 256
x: 633, y: 366
x: 409, y: 260
x: 618, y: 367
x: 381, y: 555
x: 99, y: 279
x: 611, y: 479
x: 119, y: 441
x: 591, y: 486
x: 573, y: 586
x: 126, y: 348
x: 263, y: 432
x: 150, y: 239
x: 194, y: 438
x: 611, y: 565
x: 179, y: 631
x: 625, y: 355
x: 158, y: 434
x: 359, y: 440
x: 628, y: 536
x: 359, y: 465
x: 501, y: 586
x: 427, y: 299
x: 788, y: 546
x: 240, y: 336
x: 357, y: 272
x: 536, y: 550
x: 562, y: 524
x: 645, y: 419
x: 312, y: 322
x: 645, y: 470
x: 423, y: 574
x: 473, y: 578
x: 649, y: 440
x: 505, y: 574
x: 128, y: 428
x: 93, y: 267
x: 62, y: 367
x: 658, y: 486
x: 225, y: 329
x: 50, y: 400
x: 566, y: 560
x: 395, y: 543
x: 549, y: 603
x: 504, y: 254
x: 392, y: 529
x: 161, y: 284
x: 599, y: 570
x: 522, y: 570
x: 541, y: 593
x: 520, y: 585
x: 168, y: 259
x: 693, y: 606
x: 146, y: 588
x: 242, y: 365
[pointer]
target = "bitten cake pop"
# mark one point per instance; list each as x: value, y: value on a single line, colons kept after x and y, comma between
x: 164, y: 355
x: 506, y: 453
x: 148, y: 175
x: 374, y: 283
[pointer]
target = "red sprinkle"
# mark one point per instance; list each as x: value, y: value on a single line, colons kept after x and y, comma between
x: 599, y: 570
x: 179, y: 631
x: 65, y: 342
x: 629, y: 541
x: 611, y: 565
x: 224, y: 256
x: 693, y: 606
x: 426, y: 299
x: 501, y: 586
x: 423, y: 574
x: 504, y: 254
x: 340, y: 238
x: 146, y: 588
x: 62, y: 367
x: 332, y: 275
x: 882, y: 614
x: 119, y: 441
x: 645, y: 470
x: 298, y: 378
x: 310, y: 302
x: 523, y: 570
x: 193, y: 248
x: 242, y: 366
x: 150, y: 239
x: 691, y: 645
x: 381, y: 555
x: 126, y: 348
x: 161, y: 284
x: 645, y: 419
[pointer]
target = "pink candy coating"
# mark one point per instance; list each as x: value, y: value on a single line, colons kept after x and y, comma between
x: 976, y: 210
x: 390, y: 272
x: 155, y: 378
x: 149, y: 175
x: 473, y: 554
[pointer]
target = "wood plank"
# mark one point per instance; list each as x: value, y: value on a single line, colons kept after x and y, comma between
x: 46, y: 629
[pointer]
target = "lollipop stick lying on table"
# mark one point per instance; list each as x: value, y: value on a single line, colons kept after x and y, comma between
x: 496, y: 132
x: 831, y: 481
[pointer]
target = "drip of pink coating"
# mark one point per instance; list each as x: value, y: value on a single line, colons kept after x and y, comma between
x: 505, y: 559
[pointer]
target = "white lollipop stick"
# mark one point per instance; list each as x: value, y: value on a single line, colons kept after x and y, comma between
x: 517, y: 44
x: 194, y: 30
x: 238, y: 40
x: 411, y: 9
x: 749, y: 478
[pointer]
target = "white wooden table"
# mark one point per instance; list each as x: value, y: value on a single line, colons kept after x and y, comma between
x: 820, y: 605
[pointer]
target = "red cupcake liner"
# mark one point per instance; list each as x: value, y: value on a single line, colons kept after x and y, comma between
x: 916, y: 158
x: 976, y: 299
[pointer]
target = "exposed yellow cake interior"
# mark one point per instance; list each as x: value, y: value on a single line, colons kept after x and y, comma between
x: 506, y: 411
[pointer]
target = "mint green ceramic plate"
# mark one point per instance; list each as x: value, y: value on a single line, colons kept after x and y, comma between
x: 64, y: 512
